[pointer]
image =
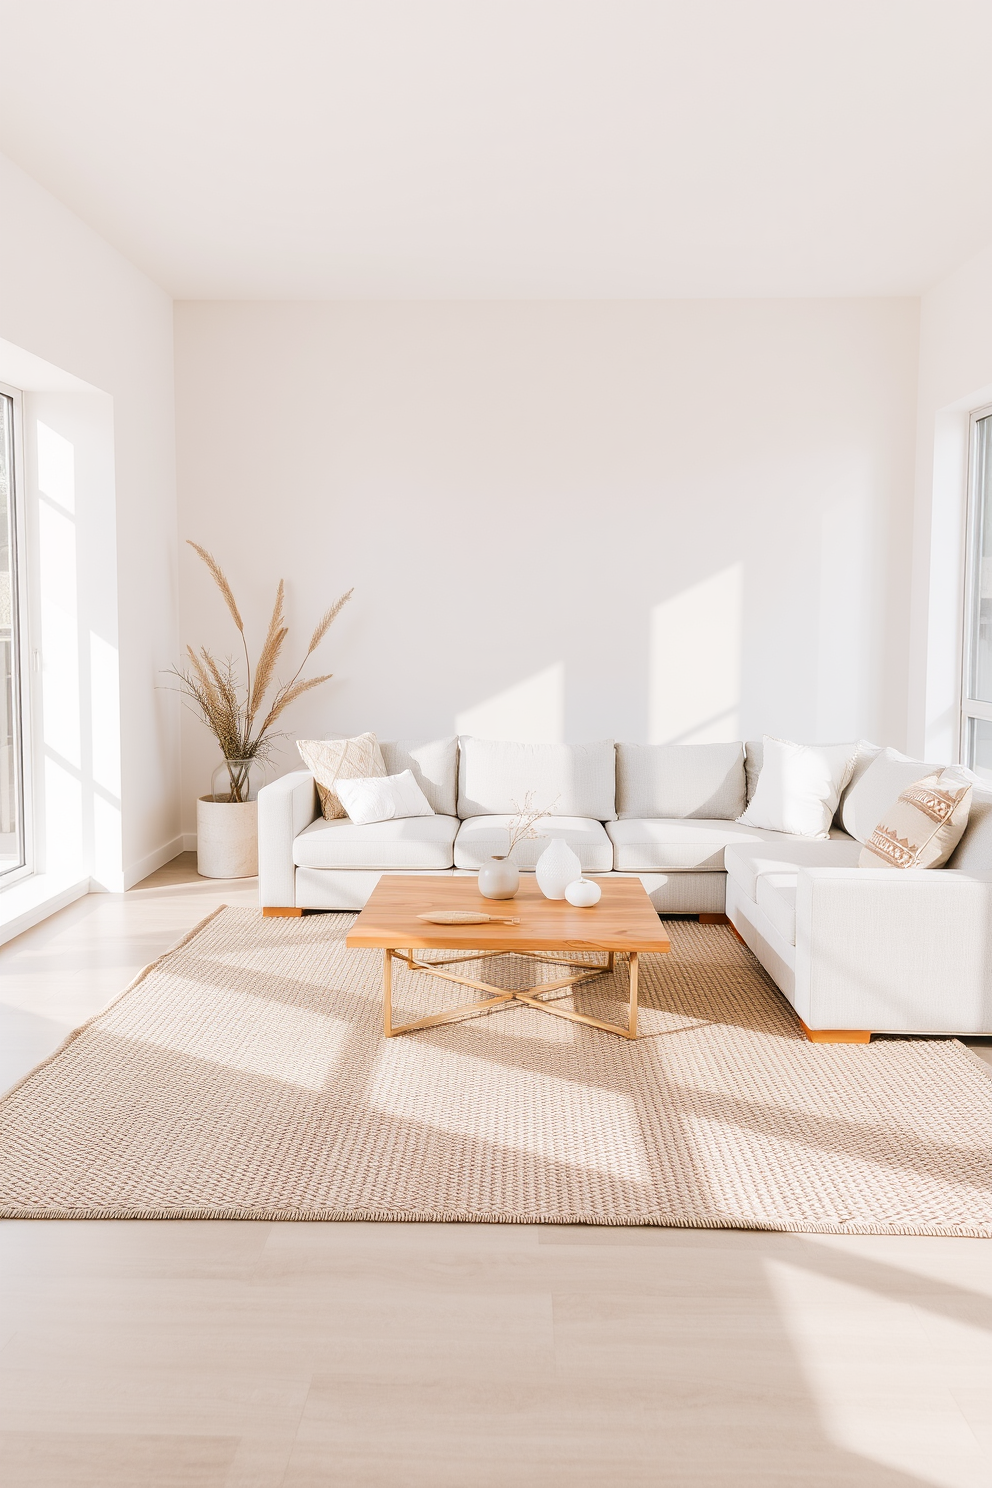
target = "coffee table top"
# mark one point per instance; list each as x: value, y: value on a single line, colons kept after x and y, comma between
x: 623, y: 920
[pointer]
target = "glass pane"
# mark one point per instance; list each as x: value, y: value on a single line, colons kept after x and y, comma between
x: 11, y: 822
x: 981, y: 620
x: 979, y: 742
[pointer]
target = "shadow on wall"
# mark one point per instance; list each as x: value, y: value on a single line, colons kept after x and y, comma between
x: 695, y: 647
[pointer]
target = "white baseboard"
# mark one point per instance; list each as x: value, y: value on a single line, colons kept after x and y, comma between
x: 33, y: 899
x: 157, y: 859
x: 189, y: 842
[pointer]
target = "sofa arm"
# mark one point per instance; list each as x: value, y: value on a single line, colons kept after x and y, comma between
x: 894, y: 950
x: 284, y: 808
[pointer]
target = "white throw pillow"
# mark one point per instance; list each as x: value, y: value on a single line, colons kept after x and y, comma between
x: 378, y: 798
x: 799, y: 786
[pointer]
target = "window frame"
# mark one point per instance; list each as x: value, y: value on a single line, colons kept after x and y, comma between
x: 20, y: 626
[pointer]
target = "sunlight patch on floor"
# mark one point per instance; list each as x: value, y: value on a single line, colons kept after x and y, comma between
x: 581, y: 1125
x: 241, y: 1031
x: 878, y: 1389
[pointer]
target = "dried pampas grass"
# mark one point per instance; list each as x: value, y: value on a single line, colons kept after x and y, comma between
x: 213, y: 689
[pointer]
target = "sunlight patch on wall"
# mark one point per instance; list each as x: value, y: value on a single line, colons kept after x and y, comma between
x: 106, y: 842
x: 105, y: 693
x: 530, y: 712
x: 694, y: 684
x: 849, y: 585
x: 59, y: 632
x: 56, y: 468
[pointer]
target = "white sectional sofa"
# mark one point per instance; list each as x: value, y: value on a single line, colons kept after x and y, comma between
x: 854, y: 950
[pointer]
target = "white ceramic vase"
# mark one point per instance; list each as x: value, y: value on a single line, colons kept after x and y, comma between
x: 226, y: 838
x: 557, y: 867
x: 499, y: 878
x: 583, y: 893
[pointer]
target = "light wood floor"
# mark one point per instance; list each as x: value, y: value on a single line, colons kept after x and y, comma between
x: 147, y: 1355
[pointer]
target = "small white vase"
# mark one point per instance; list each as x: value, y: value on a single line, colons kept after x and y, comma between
x: 499, y: 878
x: 557, y: 867
x: 583, y: 893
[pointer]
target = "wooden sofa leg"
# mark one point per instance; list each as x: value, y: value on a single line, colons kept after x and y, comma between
x: 272, y: 910
x: 836, y: 1035
x: 713, y: 919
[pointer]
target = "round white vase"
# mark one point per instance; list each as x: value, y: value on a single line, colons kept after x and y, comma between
x: 583, y: 893
x: 499, y: 878
x: 557, y: 867
x: 226, y: 838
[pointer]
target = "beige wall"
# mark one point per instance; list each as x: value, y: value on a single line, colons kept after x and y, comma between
x: 666, y: 520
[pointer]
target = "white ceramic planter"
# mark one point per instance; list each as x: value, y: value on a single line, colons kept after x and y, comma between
x: 226, y: 838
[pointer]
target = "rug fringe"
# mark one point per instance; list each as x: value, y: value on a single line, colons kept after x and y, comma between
x: 593, y: 1220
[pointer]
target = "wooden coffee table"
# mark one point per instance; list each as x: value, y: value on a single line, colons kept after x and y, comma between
x: 623, y: 923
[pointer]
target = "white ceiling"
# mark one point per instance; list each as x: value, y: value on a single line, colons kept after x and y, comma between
x: 511, y: 148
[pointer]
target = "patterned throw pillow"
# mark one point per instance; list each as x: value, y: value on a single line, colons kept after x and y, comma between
x: 924, y: 826
x: 340, y: 759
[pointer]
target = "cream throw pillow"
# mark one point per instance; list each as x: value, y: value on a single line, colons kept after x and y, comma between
x: 799, y: 786
x: 329, y: 760
x: 383, y: 798
x: 924, y: 826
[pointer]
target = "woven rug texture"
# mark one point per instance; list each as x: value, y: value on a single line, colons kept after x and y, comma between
x: 245, y: 1075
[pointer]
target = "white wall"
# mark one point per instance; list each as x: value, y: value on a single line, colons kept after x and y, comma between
x: 69, y: 301
x: 955, y: 377
x: 647, y: 520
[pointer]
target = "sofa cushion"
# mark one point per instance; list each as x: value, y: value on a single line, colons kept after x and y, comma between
x: 480, y: 837
x: 680, y: 780
x: 973, y: 853
x: 412, y: 843
x: 494, y: 777
x: 879, y: 787
x: 434, y: 765
x: 747, y: 862
x: 676, y: 845
x: 777, y: 898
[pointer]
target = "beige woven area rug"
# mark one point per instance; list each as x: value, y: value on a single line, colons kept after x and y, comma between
x: 245, y: 1075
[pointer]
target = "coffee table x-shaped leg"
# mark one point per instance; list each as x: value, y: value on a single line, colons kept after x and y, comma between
x: 579, y: 971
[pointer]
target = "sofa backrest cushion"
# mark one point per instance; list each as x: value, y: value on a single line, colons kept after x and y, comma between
x: 877, y: 790
x: 973, y: 853
x: 494, y: 776
x: 680, y: 780
x: 434, y: 765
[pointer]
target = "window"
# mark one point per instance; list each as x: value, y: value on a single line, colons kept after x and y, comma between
x: 976, y: 722
x: 12, y: 834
